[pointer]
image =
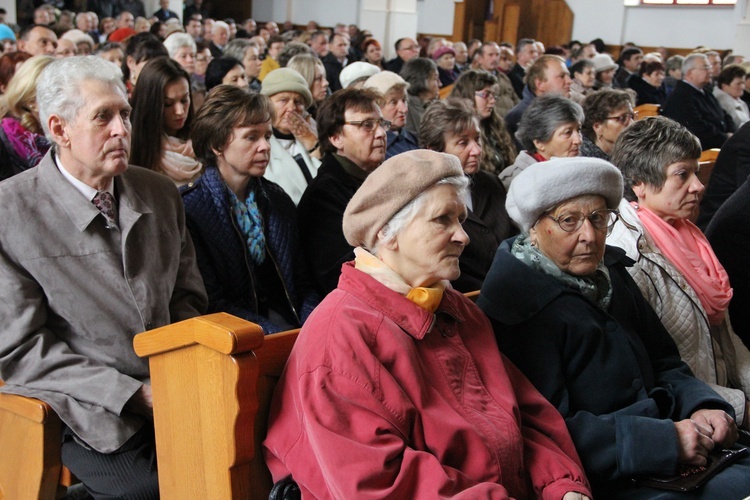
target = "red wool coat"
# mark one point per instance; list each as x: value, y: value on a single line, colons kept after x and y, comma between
x: 381, y: 398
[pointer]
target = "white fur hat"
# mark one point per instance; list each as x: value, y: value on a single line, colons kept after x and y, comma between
x: 355, y: 71
x: 543, y: 185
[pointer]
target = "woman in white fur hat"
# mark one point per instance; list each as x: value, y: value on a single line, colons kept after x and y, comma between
x: 566, y: 311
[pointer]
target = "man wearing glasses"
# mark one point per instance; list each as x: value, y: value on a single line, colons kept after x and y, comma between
x: 406, y: 50
x: 691, y: 105
x: 352, y: 135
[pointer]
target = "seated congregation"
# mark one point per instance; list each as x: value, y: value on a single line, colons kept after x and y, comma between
x: 472, y: 270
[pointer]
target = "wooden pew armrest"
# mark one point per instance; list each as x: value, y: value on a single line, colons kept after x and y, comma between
x: 202, y: 381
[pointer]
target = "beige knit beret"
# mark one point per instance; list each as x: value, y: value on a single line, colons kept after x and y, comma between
x: 544, y: 185
x: 392, y: 186
x: 286, y: 80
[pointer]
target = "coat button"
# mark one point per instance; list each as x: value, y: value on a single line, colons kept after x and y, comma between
x: 149, y: 326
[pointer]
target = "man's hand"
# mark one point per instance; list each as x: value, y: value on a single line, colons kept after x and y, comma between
x: 141, y: 403
x: 694, y: 440
x: 723, y: 428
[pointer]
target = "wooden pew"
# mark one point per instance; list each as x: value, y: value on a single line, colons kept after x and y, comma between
x: 645, y: 110
x: 707, y: 161
x: 30, y: 437
x: 212, y: 379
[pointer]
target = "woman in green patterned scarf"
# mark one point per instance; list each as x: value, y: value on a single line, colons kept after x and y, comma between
x: 566, y: 311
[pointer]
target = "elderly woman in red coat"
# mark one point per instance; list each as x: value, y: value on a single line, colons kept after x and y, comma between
x: 395, y: 387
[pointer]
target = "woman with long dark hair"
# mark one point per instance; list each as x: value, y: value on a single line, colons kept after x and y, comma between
x: 162, y: 116
x: 481, y: 88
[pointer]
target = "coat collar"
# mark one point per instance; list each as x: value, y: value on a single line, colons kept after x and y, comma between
x: 513, y: 305
x: 414, y: 320
x: 80, y: 210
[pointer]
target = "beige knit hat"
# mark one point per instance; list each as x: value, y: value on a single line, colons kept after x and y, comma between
x: 286, y: 80
x: 392, y: 186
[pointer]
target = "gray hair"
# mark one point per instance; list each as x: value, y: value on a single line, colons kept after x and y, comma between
x: 544, y: 115
x: 292, y: 50
x: 674, y: 62
x: 237, y: 48
x: 59, y: 89
x: 176, y: 41
x: 403, y: 217
x: 691, y: 62
x: 644, y: 150
x: 220, y: 25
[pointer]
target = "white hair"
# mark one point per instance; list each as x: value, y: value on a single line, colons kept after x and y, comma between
x: 176, y: 41
x: 219, y: 24
x: 691, y: 62
x: 403, y: 217
x: 59, y: 88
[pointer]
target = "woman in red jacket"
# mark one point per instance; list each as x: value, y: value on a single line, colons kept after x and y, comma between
x: 395, y: 387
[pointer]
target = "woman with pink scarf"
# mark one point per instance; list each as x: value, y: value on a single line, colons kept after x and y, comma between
x: 162, y: 115
x: 676, y: 268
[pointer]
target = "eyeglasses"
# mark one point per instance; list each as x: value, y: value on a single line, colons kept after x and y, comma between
x: 600, y: 219
x: 371, y: 124
x: 624, y: 118
x: 413, y: 47
x: 203, y: 58
x: 487, y: 95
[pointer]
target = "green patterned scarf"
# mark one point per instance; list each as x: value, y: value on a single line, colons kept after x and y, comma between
x: 597, y: 287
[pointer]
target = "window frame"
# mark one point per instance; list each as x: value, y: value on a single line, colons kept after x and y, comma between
x: 678, y: 3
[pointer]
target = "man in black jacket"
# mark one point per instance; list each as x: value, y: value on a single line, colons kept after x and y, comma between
x: 695, y: 107
x: 336, y: 59
x: 406, y: 50
x: 526, y: 54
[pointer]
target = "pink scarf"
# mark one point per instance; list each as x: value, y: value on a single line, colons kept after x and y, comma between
x: 178, y: 161
x: 691, y: 253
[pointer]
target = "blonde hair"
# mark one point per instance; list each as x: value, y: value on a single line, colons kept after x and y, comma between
x: 305, y: 65
x: 20, y: 96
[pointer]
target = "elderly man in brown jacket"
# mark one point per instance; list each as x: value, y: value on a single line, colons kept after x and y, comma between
x: 92, y: 252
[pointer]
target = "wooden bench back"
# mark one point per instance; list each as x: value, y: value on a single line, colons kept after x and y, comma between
x: 212, y: 379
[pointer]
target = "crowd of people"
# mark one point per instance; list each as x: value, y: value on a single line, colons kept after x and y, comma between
x: 294, y: 177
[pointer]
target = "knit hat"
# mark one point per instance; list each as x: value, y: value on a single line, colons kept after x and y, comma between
x: 355, y: 71
x: 543, y: 185
x: 604, y: 62
x: 6, y: 33
x: 392, y: 186
x: 443, y: 50
x: 286, y: 80
x: 120, y: 35
x: 384, y: 81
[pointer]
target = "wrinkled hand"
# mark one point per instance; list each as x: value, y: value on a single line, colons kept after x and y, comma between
x: 300, y: 129
x: 141, y: 402
x: 574, y: 495
x: 723, y: 428
x: 694, y: 440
